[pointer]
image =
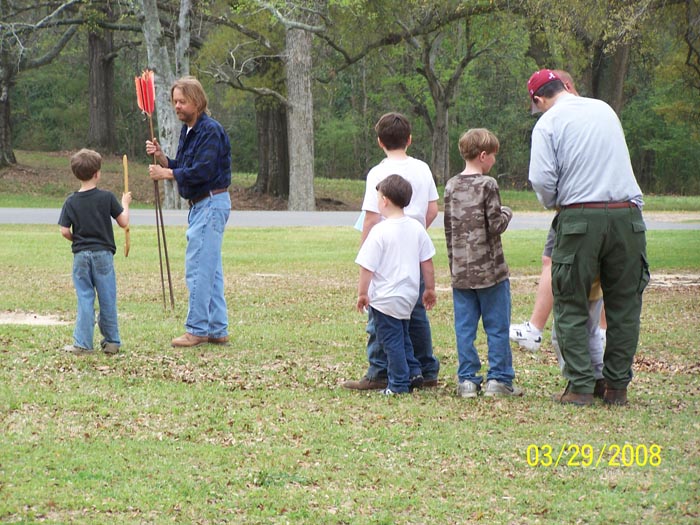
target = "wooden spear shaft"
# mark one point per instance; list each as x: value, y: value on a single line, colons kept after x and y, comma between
x: 160, y: 231
x: 127, y: 234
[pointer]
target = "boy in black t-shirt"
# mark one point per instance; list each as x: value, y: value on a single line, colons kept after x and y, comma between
x: 86, y: 221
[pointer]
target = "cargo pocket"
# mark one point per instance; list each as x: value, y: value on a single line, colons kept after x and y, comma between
x: 646, y: 275
x: 640, y: 227
x: 574, y: 228
x: 563, y: 274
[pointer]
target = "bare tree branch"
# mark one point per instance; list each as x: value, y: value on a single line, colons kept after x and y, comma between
x: 52, y: 53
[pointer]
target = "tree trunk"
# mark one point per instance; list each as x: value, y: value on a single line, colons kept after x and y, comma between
x: 7, y: 156
x: 159, y: 60
x: 300, y: 120
x: 609, y: 72
x: 101, y: 81
x: 440, y: 157
x: 273, y: 149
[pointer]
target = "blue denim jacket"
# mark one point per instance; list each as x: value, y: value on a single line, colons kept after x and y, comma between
x: 203, y: 160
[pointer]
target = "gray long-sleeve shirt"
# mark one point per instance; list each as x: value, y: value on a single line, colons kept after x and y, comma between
x: 579, y: 154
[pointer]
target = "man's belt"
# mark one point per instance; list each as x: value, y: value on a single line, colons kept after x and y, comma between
x: 206, y: 196
x: 605, y: 205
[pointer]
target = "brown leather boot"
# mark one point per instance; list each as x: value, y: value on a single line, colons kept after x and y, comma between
x: 599, y: 389
x: 188, y: 339
x: 614, y: 396
x: 573, y: 398
x: 223, y: 341
x: 367, y: 384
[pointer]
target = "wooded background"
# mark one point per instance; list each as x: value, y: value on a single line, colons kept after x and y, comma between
x: 299, y: 85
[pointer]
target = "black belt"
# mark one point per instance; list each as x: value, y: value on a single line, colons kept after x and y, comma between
x: 606, y: 205
x: 206, y: 196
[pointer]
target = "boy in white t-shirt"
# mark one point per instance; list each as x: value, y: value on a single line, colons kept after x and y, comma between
x: 394, y: 137
x: 392, y: 258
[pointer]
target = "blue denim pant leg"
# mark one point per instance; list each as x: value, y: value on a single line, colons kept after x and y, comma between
x: 394, y: 338
x: 467, y: 311
x: 422, y: 339
x: 207, y: 313
x: 106, y: 285
x: 93, y: 274
x: 495, y: 316
x: 377, y: 369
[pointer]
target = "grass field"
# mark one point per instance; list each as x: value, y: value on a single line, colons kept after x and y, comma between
x: 262, y: 432
x: 43, y: 180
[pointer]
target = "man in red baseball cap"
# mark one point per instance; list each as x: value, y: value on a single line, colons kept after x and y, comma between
x: 580, y: 165
x: 537, y: 81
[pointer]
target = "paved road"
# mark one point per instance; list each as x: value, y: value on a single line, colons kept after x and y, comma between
x: 251, y: 219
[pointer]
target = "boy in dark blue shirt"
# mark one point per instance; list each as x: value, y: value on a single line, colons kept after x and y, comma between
x: 86, y: 221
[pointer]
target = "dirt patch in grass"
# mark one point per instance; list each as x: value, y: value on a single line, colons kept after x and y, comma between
x: 30, y: 319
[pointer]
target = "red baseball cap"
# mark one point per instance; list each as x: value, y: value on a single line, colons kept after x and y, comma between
x: 537, y: 80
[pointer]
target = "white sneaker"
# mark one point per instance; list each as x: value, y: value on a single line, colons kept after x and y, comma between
x: 468, y: 389
x: 495, y: 388
x: 526, y: 336
x: 76, y: 350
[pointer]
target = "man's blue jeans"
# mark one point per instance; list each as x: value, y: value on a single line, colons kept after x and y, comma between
x: 393, y: 335
x: 492, y: 304
x: 421, y: 337
x: 207, y: 314
x: 93, y: 274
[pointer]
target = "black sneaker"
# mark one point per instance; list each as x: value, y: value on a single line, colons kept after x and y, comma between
x: 416, y: 382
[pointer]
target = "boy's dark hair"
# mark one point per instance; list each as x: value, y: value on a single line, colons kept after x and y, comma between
x: 474, y: 141
x: 550, y: 89
x: 85, y: 163
x: 397, y: 189
x: 394, y: 130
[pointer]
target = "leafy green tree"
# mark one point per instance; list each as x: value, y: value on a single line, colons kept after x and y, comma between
x: 32, y: 34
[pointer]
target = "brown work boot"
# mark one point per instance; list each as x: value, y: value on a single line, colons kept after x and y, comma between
x: 188, y: 339
x: 367, y: 384
x: 573, y: 398
x: 599, y: 389
x: 430, y: 383
x: 218, y: 340
x: 613, y: 396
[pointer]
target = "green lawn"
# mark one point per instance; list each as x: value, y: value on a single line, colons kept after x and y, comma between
x: 43, y: 180
x: 261, y: 431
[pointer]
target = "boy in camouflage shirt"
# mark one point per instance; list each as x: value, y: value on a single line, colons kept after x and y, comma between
x: 474, y: 221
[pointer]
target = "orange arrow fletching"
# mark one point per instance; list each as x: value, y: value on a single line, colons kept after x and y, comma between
x: 139, y: 93
x: 146, y: 91
x: 149, y: 91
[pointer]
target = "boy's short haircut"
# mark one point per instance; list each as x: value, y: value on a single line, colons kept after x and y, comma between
x: 85, y: 163
x: 394, y: 130
x: 476, y: 140
x: 397, y: 189
x: 550, y: 89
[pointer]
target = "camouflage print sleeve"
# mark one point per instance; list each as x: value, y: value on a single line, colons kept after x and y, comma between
x: 497, y: 216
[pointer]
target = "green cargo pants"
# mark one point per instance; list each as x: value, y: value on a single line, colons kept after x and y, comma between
x: 612, y: 243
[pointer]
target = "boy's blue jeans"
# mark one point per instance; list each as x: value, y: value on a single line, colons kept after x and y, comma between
x: 93, y: 274
x: 492, y: 304
x: 207, y: 313
x: 393, y: 335
x: 421, y: 337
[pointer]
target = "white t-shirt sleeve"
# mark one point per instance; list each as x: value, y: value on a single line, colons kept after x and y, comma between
x: 427, y: 248
x: 370, y: 202
x: 369, y: 255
